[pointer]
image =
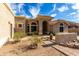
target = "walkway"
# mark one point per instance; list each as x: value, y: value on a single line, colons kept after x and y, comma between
x: 67, y: 51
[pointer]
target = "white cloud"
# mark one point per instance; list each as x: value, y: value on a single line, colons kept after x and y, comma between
x: 75, y: 6
x: 54, y: 8
x: 63, y: 8
x: 77, y: 15
x: 77, y: 11
x: 72, y: 13
x: 24, y: 14
x: 35, y: 10
x: 53, y: 15
x: 17, y: 8
x: 20, y: 7
x: 13, y: 6
x: 27, y: 16
x: 77, y: 19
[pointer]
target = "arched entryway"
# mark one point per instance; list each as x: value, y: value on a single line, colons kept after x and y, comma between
x: 44, y: 27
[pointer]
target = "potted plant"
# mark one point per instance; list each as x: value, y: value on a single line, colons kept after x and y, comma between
x: 51, y: 36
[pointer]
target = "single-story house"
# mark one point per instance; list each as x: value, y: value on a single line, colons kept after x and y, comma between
x: 44, y: 25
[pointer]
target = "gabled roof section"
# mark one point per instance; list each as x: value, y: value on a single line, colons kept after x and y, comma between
x: 59, y: 21
x: 40, y: 17
x: 64, y: 21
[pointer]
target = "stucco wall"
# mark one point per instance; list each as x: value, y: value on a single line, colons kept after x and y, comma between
x: 20, y: 20
x: 56, y: 28
x: 6, y: 18
x: 75, y: 30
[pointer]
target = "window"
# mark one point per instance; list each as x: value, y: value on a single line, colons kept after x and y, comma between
x: 69, y: 26
x: 61, y: 27
x: 33, y: 28
x: 19, y: 25
x: 28, y: 28
x: 76, y: 26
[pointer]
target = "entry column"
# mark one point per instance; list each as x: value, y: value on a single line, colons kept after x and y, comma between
x: 29, y: 28
x: 40, y: 27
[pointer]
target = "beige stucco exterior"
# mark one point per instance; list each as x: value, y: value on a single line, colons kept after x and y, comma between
x: 7, y: 23
x: 38, y: 21
x: 20, y: 20
x: 44, y: 24
x: 56, y: 27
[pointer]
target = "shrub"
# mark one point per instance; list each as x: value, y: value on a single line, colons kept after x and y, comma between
x: 35, y: 41
x: 18, y: 35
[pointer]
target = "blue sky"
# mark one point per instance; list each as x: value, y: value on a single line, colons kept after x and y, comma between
x: 65, y: 11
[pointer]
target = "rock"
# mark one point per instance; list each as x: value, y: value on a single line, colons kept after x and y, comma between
x: 77, y: 45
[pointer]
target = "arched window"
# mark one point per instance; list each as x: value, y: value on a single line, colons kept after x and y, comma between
x: 61, y: 24
x: 20, y: 25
